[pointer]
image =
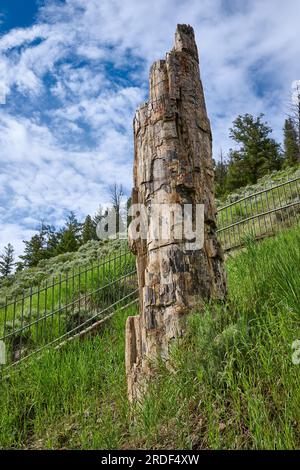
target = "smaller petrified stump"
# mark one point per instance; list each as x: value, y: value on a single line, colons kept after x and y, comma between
x: 172, y: 165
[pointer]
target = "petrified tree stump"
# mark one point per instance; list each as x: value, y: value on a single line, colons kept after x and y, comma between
x: 172, y: 165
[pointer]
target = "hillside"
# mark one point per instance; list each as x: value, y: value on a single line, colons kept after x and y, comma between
x: 266, y: 182
x: 93, y: 251
x: 97, y: 250
x: 64, y: 295
x: 234, y: 384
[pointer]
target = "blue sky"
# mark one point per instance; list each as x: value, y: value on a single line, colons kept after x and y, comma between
x: 73, y: 72
x: 18, y: 13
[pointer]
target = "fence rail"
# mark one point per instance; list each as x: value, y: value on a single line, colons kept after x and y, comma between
x: 61, y: 308
x: 65, y: 306
x: 259, y: 215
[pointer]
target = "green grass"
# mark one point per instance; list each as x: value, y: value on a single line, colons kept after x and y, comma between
x: 63, y: 304
x: 264, y: 221
x: 269, y: 180
x: 68, y: 398
x: 66, y: 264
x: 233, y: 384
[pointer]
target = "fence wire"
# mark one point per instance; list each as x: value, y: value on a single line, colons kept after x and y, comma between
x: 259, y: 215
x: 67, y: 304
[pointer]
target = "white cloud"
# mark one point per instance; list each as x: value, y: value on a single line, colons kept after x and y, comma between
x: 14, y: 234
x: 295, y: 92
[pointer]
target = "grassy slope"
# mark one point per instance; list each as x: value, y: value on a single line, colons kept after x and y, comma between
x: 267, y: 181
x: 98, y: 286
x: 243, y: 210
x: 51, y: 269
x: 234, y: 384
x: 95, y: 250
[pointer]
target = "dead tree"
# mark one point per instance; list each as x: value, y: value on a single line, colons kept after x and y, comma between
x: 116, y: 195
x: 172, y: 165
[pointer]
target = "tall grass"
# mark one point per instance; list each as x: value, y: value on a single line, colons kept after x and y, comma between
x: 233, y: 384
x: 56, y: 308
x: 71, y: 398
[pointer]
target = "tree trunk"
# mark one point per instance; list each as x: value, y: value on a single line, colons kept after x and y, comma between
x: 172, y: 165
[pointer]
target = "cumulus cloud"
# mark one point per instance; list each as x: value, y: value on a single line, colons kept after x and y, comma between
x: 74, y: 78
x: 14, y: 234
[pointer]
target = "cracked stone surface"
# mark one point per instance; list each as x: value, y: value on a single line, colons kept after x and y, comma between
x: 172, y: 165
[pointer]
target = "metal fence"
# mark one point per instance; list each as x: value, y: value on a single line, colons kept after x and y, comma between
x: 66, y: 305
x: 70, y: 303
x: 259, y: 215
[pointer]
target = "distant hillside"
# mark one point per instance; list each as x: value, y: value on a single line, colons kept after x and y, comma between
x: 66, y: 262
x: 267, y: 181
x: 95, y: 250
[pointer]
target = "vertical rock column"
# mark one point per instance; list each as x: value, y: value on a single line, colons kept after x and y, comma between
x: 172, y: 165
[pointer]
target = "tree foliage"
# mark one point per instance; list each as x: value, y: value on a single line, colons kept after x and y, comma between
x: 7, y: 261
x: 70, y: 235
x: 88, y: 230
x: 257, y: 152
x: 291, y: 149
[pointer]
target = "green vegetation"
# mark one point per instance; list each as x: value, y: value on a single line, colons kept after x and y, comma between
x: 95, y: 250
x: 261, y: 214
x: 69, y: 398
x: 67, y: 302
x: 7, y: 261
x: 256, y: 156
x: 266, y: 182
x: 49, y: 269
x: 291, y: 146
x: 233, y: 383
x: 49, y: 242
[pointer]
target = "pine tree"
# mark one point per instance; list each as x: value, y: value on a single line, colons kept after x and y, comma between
x: 41, y: 246
x: 34, y: 251
x: 7, y: 261
x: 220, y: 169
x: 258, y: 153
x: 88, y: 230
x: 116, y: 195
x: 69, y: 235
x: 291, y: 150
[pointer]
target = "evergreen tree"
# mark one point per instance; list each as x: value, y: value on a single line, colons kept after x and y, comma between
x: 34, y: 251
x: 7, y: 261
x: 50, y: 240
x: 291, y: 150
x: 41, y: 246
x: 53, y: 239
x: 220, y: 169
x: 88, y: 230
x: 258, y: 153
x: 116, y: 195
x: 70, y: 235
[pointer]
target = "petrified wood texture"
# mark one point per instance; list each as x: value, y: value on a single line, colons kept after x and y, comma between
x: 172, y: 165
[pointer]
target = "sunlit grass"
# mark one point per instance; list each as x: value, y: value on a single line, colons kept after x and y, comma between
x: 233, y: 384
